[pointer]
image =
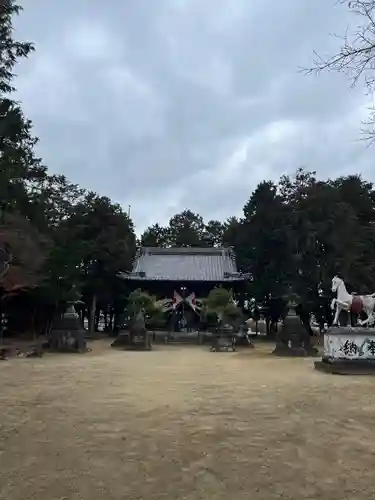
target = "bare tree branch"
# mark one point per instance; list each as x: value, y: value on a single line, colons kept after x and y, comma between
x: 356, y: 56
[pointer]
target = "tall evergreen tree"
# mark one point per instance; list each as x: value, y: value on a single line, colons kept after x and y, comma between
x: 186, y: 229
x: 19, y: 168
x: 18, y: 165
x: 155, y: 236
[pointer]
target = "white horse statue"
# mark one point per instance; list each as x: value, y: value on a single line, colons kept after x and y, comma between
x: 355, y: 303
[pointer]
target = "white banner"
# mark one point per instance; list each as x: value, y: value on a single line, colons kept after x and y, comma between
x: 349, y: 346
x: 191, y: 300
x: 177, y: 299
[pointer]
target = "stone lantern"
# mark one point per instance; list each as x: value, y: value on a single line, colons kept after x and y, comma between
x: 293, y: 339
x: 67, y: 333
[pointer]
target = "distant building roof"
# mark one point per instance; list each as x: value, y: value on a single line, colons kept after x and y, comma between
x: 185, y: 264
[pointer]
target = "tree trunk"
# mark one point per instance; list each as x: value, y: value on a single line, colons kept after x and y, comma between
x: 92, y: 314
x: 97, y: 319
x: 33, y: 324
x: 84, y: 313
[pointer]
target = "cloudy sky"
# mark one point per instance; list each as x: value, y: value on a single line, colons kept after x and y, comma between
x: 173, y: 104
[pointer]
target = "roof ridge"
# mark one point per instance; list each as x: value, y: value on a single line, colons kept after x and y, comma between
x: 186, y: 250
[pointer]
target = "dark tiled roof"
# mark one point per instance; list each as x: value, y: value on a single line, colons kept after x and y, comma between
x: 185, y: 264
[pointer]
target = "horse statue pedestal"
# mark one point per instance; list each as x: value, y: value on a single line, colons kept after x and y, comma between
x: 348, y: 351
x: 293, y: 339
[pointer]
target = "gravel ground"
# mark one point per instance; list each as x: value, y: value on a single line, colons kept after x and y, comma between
x: 182, y: 423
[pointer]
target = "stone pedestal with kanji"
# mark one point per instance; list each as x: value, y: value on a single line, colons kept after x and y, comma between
x: 348, y: 351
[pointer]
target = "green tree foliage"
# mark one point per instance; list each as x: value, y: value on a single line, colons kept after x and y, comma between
x: 142, y: 301
x: 28, y: 248
x: 268, y: 240
x: 300, y: 232
x: 213, y: 233
x: 10, y: 49
x: 294, y: 234
x: 139, y: 300
x: 186, y: 229
x: 357, y: 232
x: 218, y: 299
x: 19, y: 168
x: 155, y: 236
x: 18, y: 165
x: 235, y: 234
x: 219, y: 303
x: 52, y: 200
x: 98, y: 240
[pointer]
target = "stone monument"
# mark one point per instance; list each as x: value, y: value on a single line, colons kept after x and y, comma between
x: 348, y: 351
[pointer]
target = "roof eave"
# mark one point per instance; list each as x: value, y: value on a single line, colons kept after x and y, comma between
x: 139, y: 278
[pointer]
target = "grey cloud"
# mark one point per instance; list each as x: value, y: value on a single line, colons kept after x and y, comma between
x: 151, y: 103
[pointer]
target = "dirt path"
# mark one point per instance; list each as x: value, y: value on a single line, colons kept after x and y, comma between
x: 183, y: 423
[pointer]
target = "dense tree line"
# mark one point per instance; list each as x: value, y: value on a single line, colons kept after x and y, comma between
x: 294, y: 234
x: 64, y: 241
x: 67, y: 243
